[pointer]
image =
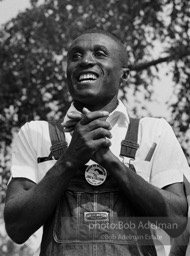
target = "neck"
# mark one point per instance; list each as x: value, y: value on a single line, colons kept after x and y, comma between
x: 109, y: 106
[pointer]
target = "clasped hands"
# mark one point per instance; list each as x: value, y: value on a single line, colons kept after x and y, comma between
x: 90, y: 136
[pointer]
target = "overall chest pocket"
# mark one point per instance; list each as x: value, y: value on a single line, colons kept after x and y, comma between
x: 83, y: 217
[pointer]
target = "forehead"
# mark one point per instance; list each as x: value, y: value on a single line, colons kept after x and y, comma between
x: 91, y: 40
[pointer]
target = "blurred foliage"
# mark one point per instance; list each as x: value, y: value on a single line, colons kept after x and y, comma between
x: 33, y: 50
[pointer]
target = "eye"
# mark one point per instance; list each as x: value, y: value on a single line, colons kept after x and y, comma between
x: 76, y: 56
x: 100, y: 53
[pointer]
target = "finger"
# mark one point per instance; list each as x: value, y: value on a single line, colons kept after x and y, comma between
x: 101, y: 133
x: 69, y: 123
x: 74, y: 115
x: 103, y: 142
x: 99, y: 124
x: 90, y: 116
x: 85, y: 111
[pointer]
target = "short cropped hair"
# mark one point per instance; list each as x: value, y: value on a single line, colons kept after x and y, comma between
x: 123, y: 52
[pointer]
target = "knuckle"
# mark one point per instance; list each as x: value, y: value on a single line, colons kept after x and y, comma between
x: 97, y: 123
x: 85, y: 139
x: 101, y: 130
x: 103, y: 142
x: 106, y: 142
x: 108, y: 125
x: 106, y: 133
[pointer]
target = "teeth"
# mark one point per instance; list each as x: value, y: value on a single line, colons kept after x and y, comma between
x: 87, y: 77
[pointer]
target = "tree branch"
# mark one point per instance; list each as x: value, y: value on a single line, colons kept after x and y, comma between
x: 145, y: 65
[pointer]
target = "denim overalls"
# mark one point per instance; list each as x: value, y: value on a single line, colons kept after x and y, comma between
x: 95, y: 221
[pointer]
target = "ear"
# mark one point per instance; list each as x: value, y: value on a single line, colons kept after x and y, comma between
x: 125, y: 73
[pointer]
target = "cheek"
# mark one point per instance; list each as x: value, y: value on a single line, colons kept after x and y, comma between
x: 114, y: 75
x: 109, y: 71
x: 70, y: 68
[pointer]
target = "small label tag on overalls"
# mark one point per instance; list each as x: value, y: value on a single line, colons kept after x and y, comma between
x: 96, y: 216
x: 95, y: 174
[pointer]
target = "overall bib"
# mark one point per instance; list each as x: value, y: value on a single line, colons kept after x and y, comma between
x: 95, y: 220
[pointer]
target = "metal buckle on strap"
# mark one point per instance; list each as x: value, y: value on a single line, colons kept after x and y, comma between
x: 96, y: 216
x: 58, y: 149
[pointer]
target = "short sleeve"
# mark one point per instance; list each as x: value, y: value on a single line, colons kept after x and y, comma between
x: 169, y: 162
x: 24, y: 155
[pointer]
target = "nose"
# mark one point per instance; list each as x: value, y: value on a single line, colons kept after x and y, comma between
x: 87, y: 59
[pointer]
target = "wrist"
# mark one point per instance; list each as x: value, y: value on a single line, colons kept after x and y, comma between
x: 108, y: 160
x: 66, y: 163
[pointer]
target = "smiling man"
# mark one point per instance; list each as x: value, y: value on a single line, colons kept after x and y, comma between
x: 94, y: 62
x: 96, y: 199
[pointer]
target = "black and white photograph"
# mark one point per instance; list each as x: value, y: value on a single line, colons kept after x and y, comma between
x: 94, y: 128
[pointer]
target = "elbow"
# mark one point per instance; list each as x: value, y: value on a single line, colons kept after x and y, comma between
x: 14, y: 229
x: 176, y: 232
x: 177, y: 225
x: 15, y: 234
x: 180, y: 224
x: 177, y: 218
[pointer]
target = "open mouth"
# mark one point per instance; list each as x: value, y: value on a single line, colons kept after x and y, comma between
x: 86, y: 77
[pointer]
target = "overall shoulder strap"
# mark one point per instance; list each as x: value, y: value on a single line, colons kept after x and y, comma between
x: 57, y: 137
x: 129, y: 145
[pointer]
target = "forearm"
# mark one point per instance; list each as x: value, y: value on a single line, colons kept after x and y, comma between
x: 148, y: 200
x: 28, y: 210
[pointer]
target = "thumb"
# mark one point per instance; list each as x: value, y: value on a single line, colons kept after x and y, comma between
x: 83, y: 120
x: 85, y: 111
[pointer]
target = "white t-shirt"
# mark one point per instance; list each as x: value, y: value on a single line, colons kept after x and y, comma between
x: 166, y: 166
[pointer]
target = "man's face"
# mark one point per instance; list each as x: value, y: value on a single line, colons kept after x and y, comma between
x: 94, y: 69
